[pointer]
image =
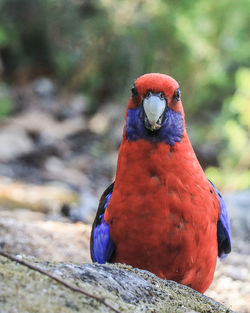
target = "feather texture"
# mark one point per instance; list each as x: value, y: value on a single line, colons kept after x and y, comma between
x: 161, y: 214
x: 223, y: 228
x: 102, y: 246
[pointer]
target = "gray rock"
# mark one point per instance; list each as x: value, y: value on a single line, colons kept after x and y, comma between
x: 31, y: 233
x: 14, y: 142
x: 123, y: 287
x: 86, y: 208
x: 44, y: 87
x: 238, y: 204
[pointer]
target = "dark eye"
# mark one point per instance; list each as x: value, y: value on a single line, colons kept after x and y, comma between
x: 134, y: 91
x: 148, y: 94
x: 162, y: 97
x: 177, y: 95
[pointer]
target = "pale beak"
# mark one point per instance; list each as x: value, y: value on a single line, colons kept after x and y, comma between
x: 154, y: 105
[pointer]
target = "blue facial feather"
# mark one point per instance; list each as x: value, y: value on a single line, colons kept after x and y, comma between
x: 223, y: 228
x: 103, y: 246
x: 170, y: 131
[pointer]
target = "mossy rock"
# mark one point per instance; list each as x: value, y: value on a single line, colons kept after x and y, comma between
x: 24, y: 290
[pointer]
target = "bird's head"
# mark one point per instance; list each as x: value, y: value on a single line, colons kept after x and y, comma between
x: 155, y: 110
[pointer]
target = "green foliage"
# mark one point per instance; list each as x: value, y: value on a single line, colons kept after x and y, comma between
x: 6, y: 104
x: 100, y: 47
x: 233, y: 125
x: 3, y: 37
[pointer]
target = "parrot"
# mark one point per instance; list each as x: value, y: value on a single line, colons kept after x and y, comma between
x: 161, y: 214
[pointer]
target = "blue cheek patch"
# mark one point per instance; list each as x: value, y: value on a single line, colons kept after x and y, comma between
x: 170, y: 132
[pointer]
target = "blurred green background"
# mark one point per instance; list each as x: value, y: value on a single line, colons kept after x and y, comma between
x: 98, y: 48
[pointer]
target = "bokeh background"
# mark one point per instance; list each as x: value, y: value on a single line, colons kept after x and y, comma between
x: 66, y: 70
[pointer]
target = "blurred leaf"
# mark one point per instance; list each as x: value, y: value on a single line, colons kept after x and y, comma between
x: 3, y: 37
x: 233, y: 126
x: 5, y: 107
x: 100, y: 48
x: 6, y: 104
x: 229, y: 180
x: 241, y: 100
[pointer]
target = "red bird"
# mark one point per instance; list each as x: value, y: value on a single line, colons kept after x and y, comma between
x: 161, y: 214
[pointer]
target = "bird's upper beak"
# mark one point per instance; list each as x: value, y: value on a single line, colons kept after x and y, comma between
x: 154, y: 105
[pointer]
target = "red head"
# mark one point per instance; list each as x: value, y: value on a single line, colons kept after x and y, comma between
x: 155, y: 110
x: 156, y: 83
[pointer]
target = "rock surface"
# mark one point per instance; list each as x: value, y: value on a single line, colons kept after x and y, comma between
x: 126, y: 289
x: 31, y: 233
x: 41, y: 198
x: 53, y: 238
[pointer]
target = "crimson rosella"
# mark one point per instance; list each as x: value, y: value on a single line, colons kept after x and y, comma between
x: 161, y: 214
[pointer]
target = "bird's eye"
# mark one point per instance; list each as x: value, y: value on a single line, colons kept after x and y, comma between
x: 148, y: 94
x: 134, y: 91
x: 162, y: 97
x: 177, y: 95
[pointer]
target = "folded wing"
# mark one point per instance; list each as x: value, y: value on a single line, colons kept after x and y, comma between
x: 102, y: 247
x: 223, y: 228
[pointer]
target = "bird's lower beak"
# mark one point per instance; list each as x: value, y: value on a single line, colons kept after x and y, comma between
x: 154, y: 106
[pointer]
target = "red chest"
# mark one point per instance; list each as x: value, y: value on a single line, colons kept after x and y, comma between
x: 163, y: 213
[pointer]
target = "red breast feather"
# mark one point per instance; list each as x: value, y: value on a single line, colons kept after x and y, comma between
x: 163, y: 212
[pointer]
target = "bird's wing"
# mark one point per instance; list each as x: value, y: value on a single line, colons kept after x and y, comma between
x: 102, y: 247
x: 223, y: 228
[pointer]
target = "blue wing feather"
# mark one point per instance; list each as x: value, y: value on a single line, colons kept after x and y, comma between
x: 223, y: 228
x: 102, y: 246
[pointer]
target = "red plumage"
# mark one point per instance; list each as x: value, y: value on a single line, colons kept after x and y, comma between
x: 163, y: 212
